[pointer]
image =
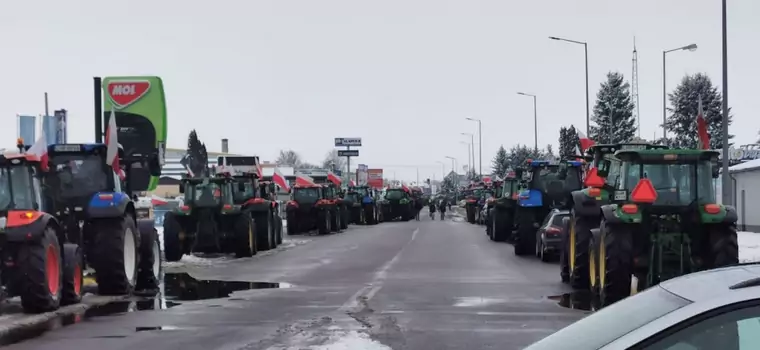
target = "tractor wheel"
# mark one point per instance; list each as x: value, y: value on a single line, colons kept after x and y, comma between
x: 41, y: 275
x: 344, y: 217
x: 173, y: 233
x: 264, y: 230
x: 71, y: 293
x: 470, y: 214
x: 499, y: 230
x: 579, y: 236
x: 323, y: 221
x: 335, y: 220
x: 615, y: 262
x: 278, y: 223
x: 724, y: 247
x: 526, y: 233
x: 117, y: 260
x: 593, y: 261
x: 564, y: 261
x: 149, y: 271
x: 290, y: 219
x: 245, y: 236
x: 509, y: 225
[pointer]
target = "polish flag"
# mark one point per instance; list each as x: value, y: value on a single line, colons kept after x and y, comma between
x: 406, y: 189
x: 334, y: 178
x: 304, y: 180
x: 112, y: 145
x: 585, y: 141
x: 351, y: 183
x: 260, y: 171
x: 280, y: 180
x: 40, y: 149
x: 704, y: 137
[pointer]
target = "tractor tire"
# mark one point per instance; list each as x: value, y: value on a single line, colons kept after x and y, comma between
x: 41, y: 273
x: 117, y: 260
x: 526, y: 233
x: 290, y: 218
x: 335, y: 220
x: 564, y: 261
x: 323, y: 221
x: 498, y: 231
x: 245, y: 232
x: 724, y: 246
x: 71, y: 292
x: 278, y: 222
x: 173, y: 245
x: 579, y: 236
x: 264, y: 230
x: 509, y: 225
x: 615, y: 262
x: 149, y: 272
x: 470, y: 214
x: 344, y: 217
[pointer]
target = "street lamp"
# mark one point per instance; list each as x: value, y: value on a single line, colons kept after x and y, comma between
x: 585, y: 49
x: 472, y: 144
x: 480, y: 146
x: 691, y: 47
x: 535, y: 119
x: 453, y: 164
x: 469, y: 160
x: 726, y: 180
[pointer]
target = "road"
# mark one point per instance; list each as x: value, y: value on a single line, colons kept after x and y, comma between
x: 405, y: 285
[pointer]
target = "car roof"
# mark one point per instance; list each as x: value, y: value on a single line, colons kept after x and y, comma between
x: 713, y: 283
x: 560, y: 212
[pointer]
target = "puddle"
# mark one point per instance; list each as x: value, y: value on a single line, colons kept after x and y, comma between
x: 183, y: 287
x: 584, y: 300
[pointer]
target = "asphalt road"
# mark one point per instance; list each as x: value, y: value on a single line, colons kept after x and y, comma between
x: 410, y: 285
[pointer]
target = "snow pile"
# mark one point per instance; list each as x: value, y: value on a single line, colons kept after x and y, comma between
x: 749, y: 246
x: 351, y: 341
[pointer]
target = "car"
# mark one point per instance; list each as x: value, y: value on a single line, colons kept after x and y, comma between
x: 549, y: 235
x: 711, y: 309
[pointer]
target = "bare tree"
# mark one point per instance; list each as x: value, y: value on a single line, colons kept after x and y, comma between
x: 332, y: 159
x: 289, y: 158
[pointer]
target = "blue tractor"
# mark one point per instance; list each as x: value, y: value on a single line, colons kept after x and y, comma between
x: 547, y: 188
x: 95, y: 207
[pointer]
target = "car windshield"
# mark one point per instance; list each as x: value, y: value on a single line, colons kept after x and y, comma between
x: 306, y: 194
x: 607, y: 325
x: 78, y: 175
x: 676, y: 184
x: 394, y: 194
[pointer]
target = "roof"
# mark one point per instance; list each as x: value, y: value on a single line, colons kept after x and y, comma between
x: 746, y: 166
x: 711, y: 283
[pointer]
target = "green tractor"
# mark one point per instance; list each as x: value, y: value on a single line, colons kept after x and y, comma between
x: 662, y: 222
x: 501, y: 216
x: 472, y: 196
x: 364, y: 209
x: 209, y: 221
x: 585, y: 212
x: 396, y: 203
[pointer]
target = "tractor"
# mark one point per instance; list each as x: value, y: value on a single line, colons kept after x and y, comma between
x: 396, y: 203
x: 209, y: 221
x: 367, y: 206
x: 662, y: 221
x: 546, y: 189
x: 94, y: 204
x: 472, y: 196
x: 308, y: 209
x: 501, y: 216
x: 39, y: 265
x: 341, y: 214
x: 585, y: 212
x: 254, y: 197
x: 354, y: 203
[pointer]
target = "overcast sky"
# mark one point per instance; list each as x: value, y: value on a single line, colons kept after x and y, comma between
x: 400, y: 74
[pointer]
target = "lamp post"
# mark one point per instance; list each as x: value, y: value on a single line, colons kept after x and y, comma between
x: 472, y: 149
x: 535, y: 119
x: 585, y: 49
x: 691, y: 47
x: 453, y: 164
x: 726, y: 178
x: 480, y: 146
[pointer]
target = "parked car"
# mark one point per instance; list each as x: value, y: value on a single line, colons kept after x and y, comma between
x: 549, y: 235
x: 712, y: 309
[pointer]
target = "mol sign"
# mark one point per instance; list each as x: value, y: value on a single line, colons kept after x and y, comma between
x: 124, y: 93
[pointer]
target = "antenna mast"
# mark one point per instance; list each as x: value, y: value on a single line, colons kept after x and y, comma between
x: 635, y: 87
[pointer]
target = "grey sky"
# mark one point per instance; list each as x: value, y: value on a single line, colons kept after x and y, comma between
x: 401, y: 74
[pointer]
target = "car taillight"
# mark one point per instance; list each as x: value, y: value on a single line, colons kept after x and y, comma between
x: 553, y: 230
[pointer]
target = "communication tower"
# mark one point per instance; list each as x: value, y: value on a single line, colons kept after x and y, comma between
x: 635, y: 87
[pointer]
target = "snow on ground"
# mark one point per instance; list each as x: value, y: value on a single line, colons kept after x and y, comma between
x: 749, y: 246
x: 352, y: 340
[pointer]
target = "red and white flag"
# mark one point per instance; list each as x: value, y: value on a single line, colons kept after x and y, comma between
x: 112, y: 145
x: 351, y: 183
x: 334, y: 178
x: 704, y: 137
x: 259, y: 171
x: 40, y: 149
x: 304, y: 180
x: 280, y: 180
x: 584, y: 140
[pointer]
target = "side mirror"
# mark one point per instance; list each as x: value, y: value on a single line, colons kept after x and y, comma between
x: 241, y: 187
x: 603, y: 168
x: 181, y: 187
x: 562, y: 173
x: 715, y: 170
x: 154, y: 166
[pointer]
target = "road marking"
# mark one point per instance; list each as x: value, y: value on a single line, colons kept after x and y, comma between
x: 414, y: 234
x: 353, y: 302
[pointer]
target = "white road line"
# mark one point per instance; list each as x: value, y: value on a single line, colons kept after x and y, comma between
x: 353, y: 302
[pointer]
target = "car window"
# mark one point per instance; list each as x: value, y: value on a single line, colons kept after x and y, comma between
x: 546, y: 220
x: 734, y: 330
x: 557, y: 220
x: 607, y: 324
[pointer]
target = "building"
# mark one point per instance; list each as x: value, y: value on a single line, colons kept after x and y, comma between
x: 746, y: 187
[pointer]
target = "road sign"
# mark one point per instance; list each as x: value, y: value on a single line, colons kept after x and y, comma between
x: 348, y: 153
x: 348, y: 141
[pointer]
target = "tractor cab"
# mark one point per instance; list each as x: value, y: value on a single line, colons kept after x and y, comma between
x: 207, y: 192
x: 306, y: 194
x: 19, y: 189
x: 546, y: 186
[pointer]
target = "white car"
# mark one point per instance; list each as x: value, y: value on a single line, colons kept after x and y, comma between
x: 714, y: 309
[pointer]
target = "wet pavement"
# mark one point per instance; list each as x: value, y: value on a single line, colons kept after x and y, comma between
x: 403, y: 285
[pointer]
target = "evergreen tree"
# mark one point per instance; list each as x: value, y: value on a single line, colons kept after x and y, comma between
x: 450, y: 182
x: 500, y: 162
x: 196, y: 158
x: 613, y: 112
x: 518, y: 154
x: 682, y: 121
x: 472, y: 175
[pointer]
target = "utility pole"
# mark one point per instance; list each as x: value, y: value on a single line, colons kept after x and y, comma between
x: 635, y: 87
x: 726, y: 178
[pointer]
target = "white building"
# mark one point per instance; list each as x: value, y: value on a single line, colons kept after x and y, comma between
x: 746, y: 188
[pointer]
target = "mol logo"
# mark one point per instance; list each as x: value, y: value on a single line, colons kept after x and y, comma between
x: 124, y: 93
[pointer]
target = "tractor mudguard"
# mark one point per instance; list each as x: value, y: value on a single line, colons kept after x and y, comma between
x: 726, y: 215
x: 610, y: 214
x: 25, y: 228
x: 107, y: 205
x: 585, y: 205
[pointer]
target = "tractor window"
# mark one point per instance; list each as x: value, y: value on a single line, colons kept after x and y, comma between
x: 614, y: 173
x: 207, y: 194
x: 307, y: 194
x: 704, y: 181
x: 394, y: 194
x: 675, y: 183
x: 22, y: 188
x: 79, y: 175
x: 248, y: 193
x: 573, y: 180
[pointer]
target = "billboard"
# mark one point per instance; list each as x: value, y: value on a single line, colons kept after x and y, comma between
x: 140, y: 108
x: 375, y: 178
x: 27, y: 125
x: 50, y: 129
x: 348, y: 141
x: 361, y: 175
